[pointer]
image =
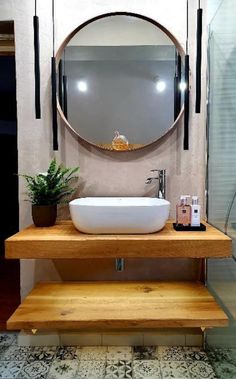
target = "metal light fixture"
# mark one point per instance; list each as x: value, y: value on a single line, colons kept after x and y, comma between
x: 36, y: 63
x: 64, y: 84
x: 198, y: 59
x: 186, y: 94
x: 177, y: 89
x: 54, y: 86
x: 60, y: 85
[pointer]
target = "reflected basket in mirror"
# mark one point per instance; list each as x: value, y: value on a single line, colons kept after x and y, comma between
x: 120, y: 142
x: 131, y: 146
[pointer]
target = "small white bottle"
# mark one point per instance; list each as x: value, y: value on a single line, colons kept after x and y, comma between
x: 195, y: 212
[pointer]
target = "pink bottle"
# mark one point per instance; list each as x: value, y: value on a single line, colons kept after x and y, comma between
x: 183, y: 211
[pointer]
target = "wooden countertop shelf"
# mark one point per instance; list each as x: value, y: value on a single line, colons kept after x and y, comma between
x: 113, y: 305
x: 64, y: 241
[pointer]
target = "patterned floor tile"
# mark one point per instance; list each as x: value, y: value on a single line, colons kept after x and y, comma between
x: 2, y: 350
x: 92, y: 353
x: 193, y: 348
x: 119, y: 353
x: 91, y: 370
x: 10, y: 370
x: 118, y: 369
x: 211, y: 355
x: 224, y: 370
x: 34, y: 370
x: 171, y: 353
x: 119, y: 349
x: 145, y: 352
x: 146, y: 369
x: 63, y: 369
x: 174, y: 370
x: 196, y: 355
x: 219, y: 355
x: 201, y: 370
x: 6, y: 339
x: 232, y: 355
x: 16, y: 353
x: 66, y: 352
x: 45, y: 353
x: 112, y: 362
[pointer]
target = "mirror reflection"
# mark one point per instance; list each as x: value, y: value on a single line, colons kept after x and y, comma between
x: 120, y: 82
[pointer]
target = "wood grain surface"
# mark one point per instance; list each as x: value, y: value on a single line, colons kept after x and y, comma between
x: 64, y: 241
x: 115, y: 305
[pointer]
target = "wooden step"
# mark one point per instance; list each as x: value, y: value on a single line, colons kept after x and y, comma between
x: 113, y: 305
x: 64, y: 241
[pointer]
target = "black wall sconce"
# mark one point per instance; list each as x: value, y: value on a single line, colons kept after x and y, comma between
x: 199, y: 59
x: 62, y: 85
x: 36, y: 64
x: 54, y: 86
x: 65, y: 95
x: 186, y: 94
x: 177, y: 81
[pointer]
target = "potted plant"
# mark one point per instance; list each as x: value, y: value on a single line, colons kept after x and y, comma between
x: 46, y: 190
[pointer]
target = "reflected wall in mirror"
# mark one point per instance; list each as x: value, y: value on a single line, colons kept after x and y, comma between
x: 120, y: 82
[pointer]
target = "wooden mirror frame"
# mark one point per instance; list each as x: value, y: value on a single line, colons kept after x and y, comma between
x: 59, y: 56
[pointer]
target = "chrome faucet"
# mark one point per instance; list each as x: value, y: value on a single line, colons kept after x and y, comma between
x: 161, y: 189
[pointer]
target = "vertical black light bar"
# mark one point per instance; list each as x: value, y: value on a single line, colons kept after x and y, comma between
x: 177, y: 80
x: 65, y: 95
x: 198, y: 59
x: 176, y: 89
x: 186, y: 104
x: 64, y: 79
x: 179, y: 70
x: 54, y: 87
x: 54, y: 103
x: 60, y: 84
x: 186, y: 95
x: 36, y: 64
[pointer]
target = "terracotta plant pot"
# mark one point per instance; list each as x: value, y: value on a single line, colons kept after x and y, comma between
x: 44, y: 215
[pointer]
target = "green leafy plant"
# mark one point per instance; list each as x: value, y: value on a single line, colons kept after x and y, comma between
x: 53, y: 187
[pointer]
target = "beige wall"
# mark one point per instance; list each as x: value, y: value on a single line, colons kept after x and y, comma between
x: 102, y: 173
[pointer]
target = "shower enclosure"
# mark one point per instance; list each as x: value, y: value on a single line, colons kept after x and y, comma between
x: 221, y: 181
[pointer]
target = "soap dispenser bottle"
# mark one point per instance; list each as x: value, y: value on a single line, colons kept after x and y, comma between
x: 183, y: 211
x: 195, y: 212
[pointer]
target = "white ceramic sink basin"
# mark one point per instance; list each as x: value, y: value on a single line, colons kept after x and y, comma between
x: 119, y: 215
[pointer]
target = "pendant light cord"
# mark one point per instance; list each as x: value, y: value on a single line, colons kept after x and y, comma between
x: 53, y: 29
x: 35, y: 7
x: 187, y: 27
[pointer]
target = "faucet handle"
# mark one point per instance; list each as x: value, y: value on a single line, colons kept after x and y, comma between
x: 161, y: 171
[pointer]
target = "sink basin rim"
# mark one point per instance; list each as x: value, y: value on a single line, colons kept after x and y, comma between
x: 119, y: 201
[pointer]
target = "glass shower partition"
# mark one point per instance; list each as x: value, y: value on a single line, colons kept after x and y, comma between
x: 222, y: 161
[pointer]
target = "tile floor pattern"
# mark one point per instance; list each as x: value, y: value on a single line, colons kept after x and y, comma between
x: 110, y: 362
x: 223, y: 361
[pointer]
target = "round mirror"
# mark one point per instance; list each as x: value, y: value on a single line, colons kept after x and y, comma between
x: 119, y: 81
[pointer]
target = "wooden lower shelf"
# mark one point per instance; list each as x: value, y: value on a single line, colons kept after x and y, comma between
x: 115, y: 305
